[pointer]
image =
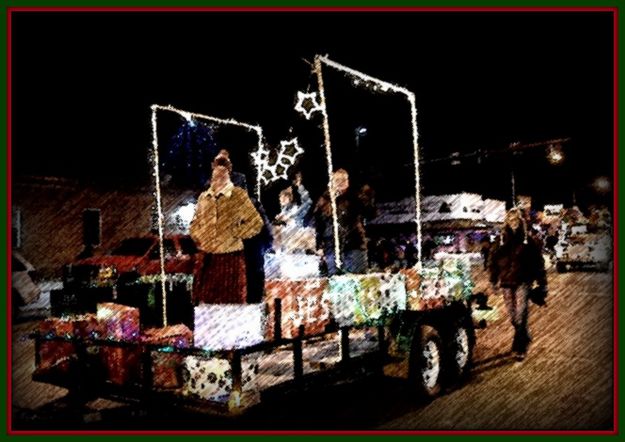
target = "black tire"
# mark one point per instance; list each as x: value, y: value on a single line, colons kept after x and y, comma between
x: 459, y: 346
x: 426, y: 362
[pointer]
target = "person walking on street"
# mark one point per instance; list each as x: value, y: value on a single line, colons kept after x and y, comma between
x: 515, y: 265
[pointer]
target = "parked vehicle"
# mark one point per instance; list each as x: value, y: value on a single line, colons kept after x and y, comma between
x: 23, y: 289
x: 579, y: 250
x: 133, y: 258
x: 101, y: 278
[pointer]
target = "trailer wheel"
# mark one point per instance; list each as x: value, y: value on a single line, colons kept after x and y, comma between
x: 427, y: 362
x: 460, y: 351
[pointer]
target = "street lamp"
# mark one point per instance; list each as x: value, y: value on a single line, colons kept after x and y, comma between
x: 360, y: 131
x: 555, y: 154
x: 602, y: 184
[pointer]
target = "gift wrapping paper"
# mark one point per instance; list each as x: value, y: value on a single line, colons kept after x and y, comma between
x: 291, y: 265
x: 119, y: 322
x: 122, y: 365
x: 211, y: 378
x: 166, y: 364
x: 413, y: 284
x: 365, y: 299
x: 228, y: 326
x: 56, y: 354
x: 303, y: 303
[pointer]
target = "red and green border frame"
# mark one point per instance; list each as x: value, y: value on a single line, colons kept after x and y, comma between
x: 260, y: 5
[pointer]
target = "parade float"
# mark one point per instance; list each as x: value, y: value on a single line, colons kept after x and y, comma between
x: 415, y: 323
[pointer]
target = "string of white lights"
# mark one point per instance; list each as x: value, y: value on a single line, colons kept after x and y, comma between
x: 159, y: 210
x: 326, y: 133
x: 228, y: 121
x: 311, y: 98
x: 415, y: 144
x: 384, y: 86
x: 189, y: 115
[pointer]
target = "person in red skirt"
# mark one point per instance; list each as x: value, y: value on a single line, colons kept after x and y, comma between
x: 224, y: 217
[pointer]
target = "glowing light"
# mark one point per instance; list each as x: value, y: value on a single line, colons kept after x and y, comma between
x: 186, y: 116
x: 602, y: 184
x: 326, y: 135
x: 375, y: 84
x: 287, y: 154
x: 307, y: 104
x: 159, y: 211
x: 184, y: 215
x: 555, y: 155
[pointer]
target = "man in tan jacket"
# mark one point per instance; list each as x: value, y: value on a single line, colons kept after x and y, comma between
x: 224, y: 217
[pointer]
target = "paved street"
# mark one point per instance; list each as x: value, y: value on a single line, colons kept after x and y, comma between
x: 565, y: 383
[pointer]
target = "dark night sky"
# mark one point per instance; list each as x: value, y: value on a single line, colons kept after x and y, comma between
x: 83, y: 84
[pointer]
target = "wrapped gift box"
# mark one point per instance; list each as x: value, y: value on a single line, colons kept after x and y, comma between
x: 394, y: 295
x: 56, y: 355
x: 457, y: 277
x: 291, y: 238
x: 87, y: 327
x: 167, y: 365
x: 302, y: 303
x: 291, y: 265
x: 367, y: 307
x: 429, y: 282
x: 449, y: 281
x: 211, y: 378
x: 413, y: 283
x: 122, y: 365
x: 178, y: 335
x: 381, y: 295
x: 119, y: 322
x: 365, y: 299
x: 228, y: 326
x: 342, y: 292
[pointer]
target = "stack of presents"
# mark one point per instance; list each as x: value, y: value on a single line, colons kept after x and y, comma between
x: 311, y: 305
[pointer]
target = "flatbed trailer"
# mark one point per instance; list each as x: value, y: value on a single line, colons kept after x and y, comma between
x: 429, y: 349
x: 429, y: 343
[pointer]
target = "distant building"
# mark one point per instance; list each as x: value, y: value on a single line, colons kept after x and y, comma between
x: 453, y: 223
x: 56, y: 219
x: 436, y: 208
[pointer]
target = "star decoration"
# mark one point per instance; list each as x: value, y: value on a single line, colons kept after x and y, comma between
x: 287, y: 154
x: 289, y: 150
x: 260, y: 156
x: 307, y: 104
